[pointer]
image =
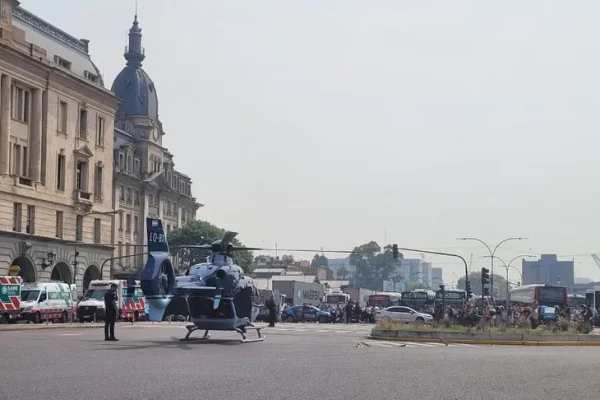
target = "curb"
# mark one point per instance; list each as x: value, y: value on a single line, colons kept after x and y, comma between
x: 28, y: 327
x: 491, y: 341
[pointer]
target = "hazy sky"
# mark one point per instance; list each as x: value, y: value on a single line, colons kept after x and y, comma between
x: 346, y: 119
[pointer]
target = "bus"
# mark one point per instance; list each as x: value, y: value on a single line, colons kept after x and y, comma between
x: 576, y: 300
x: 418, y: 299
x: 547, y: 295
x: 332, y: 298
x: 385, y: 299
x: 454, y: 298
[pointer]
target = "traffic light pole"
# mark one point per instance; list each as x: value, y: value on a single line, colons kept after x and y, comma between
x: 442, y: 254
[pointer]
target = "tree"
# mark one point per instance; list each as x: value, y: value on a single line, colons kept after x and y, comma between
x: 373, y: 266
x: 475, y: 279
x: 342, y: 273
x: 202, y: 233
x: 319, y: 260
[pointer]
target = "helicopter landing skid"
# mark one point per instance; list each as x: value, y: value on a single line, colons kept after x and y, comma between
x: 261, y: 337
x: 193, y: 328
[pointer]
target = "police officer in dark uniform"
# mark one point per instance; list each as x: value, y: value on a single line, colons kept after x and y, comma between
x: 272, y: 311
x: 110, y: 317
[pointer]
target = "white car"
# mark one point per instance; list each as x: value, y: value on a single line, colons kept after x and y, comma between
x: 405, y: 315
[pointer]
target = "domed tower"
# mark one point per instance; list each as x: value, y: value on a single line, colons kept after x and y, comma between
x: 138, y: 112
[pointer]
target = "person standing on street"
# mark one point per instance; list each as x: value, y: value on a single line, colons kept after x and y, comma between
x: 110, y: 317
x: 272, y: 307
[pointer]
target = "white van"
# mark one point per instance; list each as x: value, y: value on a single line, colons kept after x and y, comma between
x: 47, y: 301
x: 91, y: 306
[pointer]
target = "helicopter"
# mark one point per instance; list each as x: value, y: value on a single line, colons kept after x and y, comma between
x: 217, y: 295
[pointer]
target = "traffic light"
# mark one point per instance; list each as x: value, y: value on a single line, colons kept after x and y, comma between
x: 485, y: 276
x: 468, y: 288
x: 486, y: 292
x: 395, y: 252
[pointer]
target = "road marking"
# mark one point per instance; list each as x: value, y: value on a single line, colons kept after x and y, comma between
x: 71, y: 334
x: 431, y: 345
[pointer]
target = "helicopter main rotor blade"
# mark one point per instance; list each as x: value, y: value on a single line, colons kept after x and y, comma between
x: 299, y: 250
x: 193, y: 246
x: 228, y: 238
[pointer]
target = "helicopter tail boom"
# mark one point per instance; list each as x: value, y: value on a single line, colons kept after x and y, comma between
x: 158, y: 276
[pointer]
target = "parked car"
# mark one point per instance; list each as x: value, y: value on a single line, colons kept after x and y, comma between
x: 402, y: 314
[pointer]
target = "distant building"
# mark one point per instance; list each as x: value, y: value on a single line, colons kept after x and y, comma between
x: 436, y: 277
x: 548, y: 270
x: 426, y: 267
x: 412, y: 270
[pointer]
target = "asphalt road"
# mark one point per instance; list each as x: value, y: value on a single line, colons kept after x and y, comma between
x: 296, y: 361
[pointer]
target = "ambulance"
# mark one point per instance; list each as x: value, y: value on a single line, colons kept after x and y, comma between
x: 91, y: 307
x: 47, y: 301
x: 10, y: 298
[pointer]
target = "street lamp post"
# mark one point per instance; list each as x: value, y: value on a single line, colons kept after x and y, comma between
x: 507, y: 266
x: 492, y: 253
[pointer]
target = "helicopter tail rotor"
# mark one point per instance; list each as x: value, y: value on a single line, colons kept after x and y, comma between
x: 158, y: 275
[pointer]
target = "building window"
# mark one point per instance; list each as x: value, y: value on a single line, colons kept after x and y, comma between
x: 83, y: 123
x: 60, y: 172
x: 92, y: 77
x: 59, y: 224
x: 136, y: 166
x: 100, y: 132
x: 168, y: 228
x: 82, y: 176
x: 30, y: 227
x: 79, y: 228
x: 128, y: 199
x: 128, y: 223
x: 17, y: 214
x: 136, y: 198
x: 62, y: 62
x: 97, y: 230
x: 120, y: 221
x: 136, y: 222
x: 18, y: 160
x: 62, y: 116
x: 121, y: 160
x: 120, y: 248
x: 122, y: 194
x: 20, y: 104
x: 98, y: 182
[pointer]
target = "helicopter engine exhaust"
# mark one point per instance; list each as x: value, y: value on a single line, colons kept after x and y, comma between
x: 158, y: 276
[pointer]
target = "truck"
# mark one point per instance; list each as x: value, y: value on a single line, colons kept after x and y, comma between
x: 47, y: 301
x: 358, y: 294
x: 298, y: 293
x: 264, y: 295
x: 333, y: 298
x: 91, y: 306
x: 10, y: 298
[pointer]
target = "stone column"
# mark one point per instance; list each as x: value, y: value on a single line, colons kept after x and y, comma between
x: 5, y: 96
x: 35, y: 137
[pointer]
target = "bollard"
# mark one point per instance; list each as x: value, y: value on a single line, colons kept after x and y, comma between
x: 94, y: 317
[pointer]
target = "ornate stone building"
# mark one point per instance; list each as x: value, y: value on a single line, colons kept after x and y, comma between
x: 145, y: 180
x: 56, y: 153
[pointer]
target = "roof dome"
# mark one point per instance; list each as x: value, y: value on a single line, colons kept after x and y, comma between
x: 133, y: 85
